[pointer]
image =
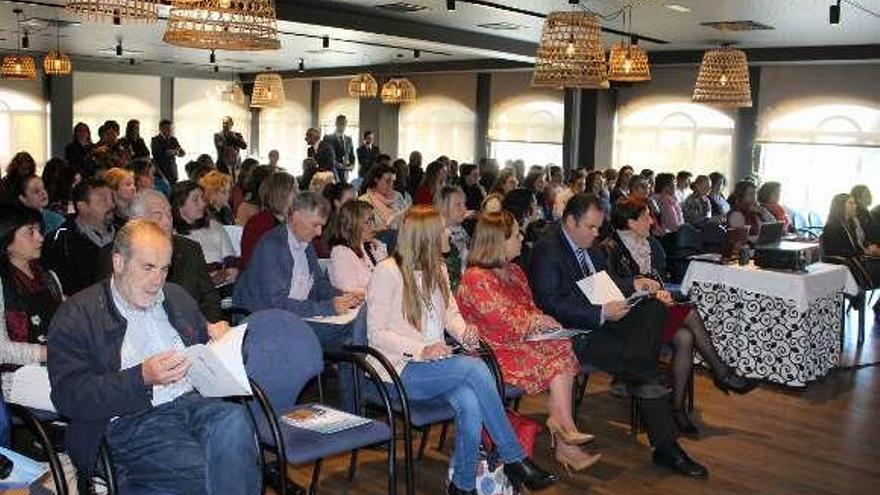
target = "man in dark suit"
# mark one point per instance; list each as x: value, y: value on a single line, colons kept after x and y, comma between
x: 343, y: 149
x: 228, y: 143
x: 367, y: 154
x: 626, y: 341
x: 321, y: 151
x: 165, y: 150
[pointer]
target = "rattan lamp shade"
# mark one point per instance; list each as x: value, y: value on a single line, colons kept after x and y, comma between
x: 628, y: 63
x: 723, y: 79
x: 363, y: 86
x: 570, y: 54
x: 56, y: 64
x: 241, y: 25
x: 20, y: 67
x: 268, y: 91
x: 233, y: 94
x: 398, y: 90
x: 115, y: 10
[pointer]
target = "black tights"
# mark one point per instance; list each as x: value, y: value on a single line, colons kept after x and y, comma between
x: 692, y: 334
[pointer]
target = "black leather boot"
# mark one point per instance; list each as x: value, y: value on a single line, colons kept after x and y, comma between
x: 526, y: 472
x: 454, y: 490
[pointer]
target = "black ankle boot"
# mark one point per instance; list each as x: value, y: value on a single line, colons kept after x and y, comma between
x: 735, y: 383
x: 454, y: 490
x: 526, y: 472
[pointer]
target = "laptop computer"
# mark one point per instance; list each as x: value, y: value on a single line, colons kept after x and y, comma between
x: 735, y: 239
x: 770, y: 233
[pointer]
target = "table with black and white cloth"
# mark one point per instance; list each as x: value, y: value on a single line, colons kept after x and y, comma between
x: 773, y: 325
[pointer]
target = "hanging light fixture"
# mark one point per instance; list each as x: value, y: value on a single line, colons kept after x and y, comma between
x: 570, y: 54
x: 18, y: 66
x: 268, y: 91
x: 363, y: 86
x: 723, y: 78
x: 115, y: 11
x: 627, y: 62
x: 233, y: 93
x: 56, y: 63
x: 240, y: 25
x: 398, y: 90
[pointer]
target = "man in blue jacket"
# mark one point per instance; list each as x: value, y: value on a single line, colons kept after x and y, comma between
x: 626, y: 341
x: 118, y: 372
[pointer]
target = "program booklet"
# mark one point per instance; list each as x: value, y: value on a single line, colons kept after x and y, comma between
x: 323, y: 419
x: 218, y: 367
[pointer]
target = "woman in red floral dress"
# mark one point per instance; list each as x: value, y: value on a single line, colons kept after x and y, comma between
x: 494, y: 295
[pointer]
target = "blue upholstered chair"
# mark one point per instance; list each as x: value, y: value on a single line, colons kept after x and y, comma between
x: 282, y: 355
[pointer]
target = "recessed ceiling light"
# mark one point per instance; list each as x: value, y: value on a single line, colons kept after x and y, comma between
x: 678, y: 8
x: 500, y: 26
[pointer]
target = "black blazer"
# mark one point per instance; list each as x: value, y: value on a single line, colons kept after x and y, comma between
x: 838, y: 240
x: 165, y: 160
x: 621, y: 264
x: 367, y: 157
x: 553, y: 275
x: 341, y: 154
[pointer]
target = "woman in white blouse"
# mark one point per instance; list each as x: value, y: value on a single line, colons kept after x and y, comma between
x: 409, y: 308
x: 191, y: 221
x: 354, y: 250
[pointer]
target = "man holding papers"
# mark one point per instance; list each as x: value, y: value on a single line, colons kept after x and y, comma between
x: 118, y: 368
x: 626, y: 340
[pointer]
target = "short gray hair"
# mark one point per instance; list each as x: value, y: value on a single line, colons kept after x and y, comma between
x: 138, y: 208
x: 125, y: 238
x: 309, y: 202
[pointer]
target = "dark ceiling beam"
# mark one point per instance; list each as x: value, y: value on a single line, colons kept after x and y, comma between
x: 345, y: 16
x: 842, y: 53
x: 393, y: 69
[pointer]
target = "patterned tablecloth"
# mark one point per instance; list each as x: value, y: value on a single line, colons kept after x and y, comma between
x: 778, y: 326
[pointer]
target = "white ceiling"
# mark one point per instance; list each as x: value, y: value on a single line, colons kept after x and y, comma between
x: 796, y: 23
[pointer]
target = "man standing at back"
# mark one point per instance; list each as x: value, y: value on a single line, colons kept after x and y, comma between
x: 343, y: 149
x: 118, y: 372
x: 165, y: 150
x: 367, y: 154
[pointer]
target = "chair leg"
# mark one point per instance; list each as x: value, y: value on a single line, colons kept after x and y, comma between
x: 316, y: 474
x: 578, y: 392
x: 392, y: 466
x: 352, y: 465
x: 423, y: 442
x: 690, y: 392
x: 408, y: 459
x: 862, y: 313
x: 444, y: 430
x: 634, y: 425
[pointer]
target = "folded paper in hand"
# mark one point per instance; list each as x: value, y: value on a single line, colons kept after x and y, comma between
x: 25, y: 471
x: 343, y: 319
x: 218, y: 368
x: 30, y: 388
x: 561, y: 333
x: 600, y: 289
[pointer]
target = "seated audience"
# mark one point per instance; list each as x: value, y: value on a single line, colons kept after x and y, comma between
x: 78, y: 152
x: 632, y: 252
x: 415, y: 172
x: 697, y: 208
x: 862, y: 196
x: 276, y: 194
x: 771, y: 211
x: 29, y: 295
x: 310, y: 168
x: 284, y: 273
x: 494, y: 296
x: 626, y: 342
x: 845, y: 237
x: 621, y: 184
x: 238, y: 193
x: 595, y: 184
x: 402, y: 181
x: 321, y: 180
x: 720, y: 206
x: 410, y: 305
x: 22, y: 165
x: 554, y: 176
x: 649, y: 177
x: 682, y: 185
x: 144, y: 175
x: 505, y: 182
x: 192, y: 221
x: 354, y: 249
x: 610, y: 175
x: 251, y: 204
x: 492, y: 203
x: 744, y: 209
x: 378, y: 190
x: 671, y: 217
x: 32, y: 194
x: 575, y: 185
x: 82, y: 237
x: 451, y: 205
x: 217, y: 187
x: 470, y: 185
x: 130, y: 390
x: 336, y: 194
x: 434, y: 178
x: 536, y: 184
x: 121, y: 182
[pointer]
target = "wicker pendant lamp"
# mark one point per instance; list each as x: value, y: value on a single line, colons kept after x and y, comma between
x: 723, y: 79
x: 398, y: 90
x: 627, y: 62
x: 268, y: 91
x: 570, y: 54
x: 233, y: 94
x: 363, y: 86
x: 115, y: 11
x: 240, y: 25
x: 18, y: 66
x: 56, y: 63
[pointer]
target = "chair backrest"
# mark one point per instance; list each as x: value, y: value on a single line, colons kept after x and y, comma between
x: 281, y: 354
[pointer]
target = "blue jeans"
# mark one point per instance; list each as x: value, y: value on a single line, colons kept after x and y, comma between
x: 5, y: 425
x: 191, y: 445
x: 333, y: 338
x: 467, y: 385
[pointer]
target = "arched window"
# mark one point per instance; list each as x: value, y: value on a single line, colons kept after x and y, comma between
x: 672, y: 136
x: 22, y: 127
x: 819, y: 150
x: 284, y: 128
x: 435, y: 126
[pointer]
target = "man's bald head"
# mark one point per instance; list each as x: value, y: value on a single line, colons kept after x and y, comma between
x: 141, y: 260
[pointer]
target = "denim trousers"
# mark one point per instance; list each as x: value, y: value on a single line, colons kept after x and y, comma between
x: 191, y: 445
x: 333, y: 338
x: 467, y: 385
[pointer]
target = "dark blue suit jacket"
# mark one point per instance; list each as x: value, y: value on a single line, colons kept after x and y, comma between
x: 553, y: 275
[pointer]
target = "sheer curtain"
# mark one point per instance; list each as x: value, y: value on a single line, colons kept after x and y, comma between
x: 98, y: 97
x: 23, y: 122
x: 284, y: 128
x: 442, y: 120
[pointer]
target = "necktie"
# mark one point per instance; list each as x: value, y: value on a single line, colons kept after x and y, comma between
x: 584, y: 261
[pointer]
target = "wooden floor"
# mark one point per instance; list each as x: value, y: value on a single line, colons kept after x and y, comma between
x: 824, y: 439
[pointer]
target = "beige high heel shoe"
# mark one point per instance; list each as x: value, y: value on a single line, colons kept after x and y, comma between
x: 567, y: 436
x: 574, y: 465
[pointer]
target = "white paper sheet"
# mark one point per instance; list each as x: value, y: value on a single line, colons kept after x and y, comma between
x: 31, y: 388
x: 218, y: 368
x: 563, y: 333
x: 343, y: 319
x: 600, y: 289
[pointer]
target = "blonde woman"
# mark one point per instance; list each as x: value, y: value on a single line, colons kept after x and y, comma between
x: 121, y: 182
x: 354, y: 249
x: 321, y: 180
x: 217, y: 187
x: 451, y: 203
x: 410, y: 305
